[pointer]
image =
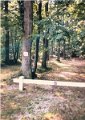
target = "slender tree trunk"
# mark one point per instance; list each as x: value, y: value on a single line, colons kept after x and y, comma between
x: 45, y: 44
x: 46, y: 13
x: 36, y: 53
x: 64, y: 55
x: 21, y: 10
x: 52, y: 47
x: 56, y: 48
x: 47, y: 49
x: 38, y: 38
x: 7, y: 33
x: 58, y: 56
x: 45, y: 53
x: 44, y: 58
x: 26, y: 45
x: 2, y: 5
x: 69, y: 52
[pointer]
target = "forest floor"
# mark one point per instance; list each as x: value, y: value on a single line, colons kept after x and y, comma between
x: 38, y: 102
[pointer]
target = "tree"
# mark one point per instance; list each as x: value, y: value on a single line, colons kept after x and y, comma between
x: 21, y: 10
x: 7, y: 33
x: 45, y: 43
x: 64, y: 45
x: 58, y: 51
x: 38, y: 38
x: 26, y: 45
x: 52, y: 47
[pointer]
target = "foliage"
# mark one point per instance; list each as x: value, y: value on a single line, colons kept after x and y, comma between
x: 15, y: 30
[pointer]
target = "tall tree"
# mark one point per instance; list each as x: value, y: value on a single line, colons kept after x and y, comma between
x: 45, y: 43
x: 51, y: 48
x: 64, y: 45
x: 58, y: 53
x: 7, y: 33
x: 21, y: 10
x: 26, y: 45
x: 38, y: 38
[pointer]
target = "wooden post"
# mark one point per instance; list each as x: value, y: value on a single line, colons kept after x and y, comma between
x: 21, y: 78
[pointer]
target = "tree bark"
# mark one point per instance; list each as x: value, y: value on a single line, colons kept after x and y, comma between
x: 26, y: 45
x: 45, y: 44
x: 21, y: 10
x: 58, y: 56
x: 36, y: 54
x: 38, y: 38
x: 44, y: 58
x: 2, y: 5
x: 52, y: 47
x: 64, y: 55
x: 6, y: 34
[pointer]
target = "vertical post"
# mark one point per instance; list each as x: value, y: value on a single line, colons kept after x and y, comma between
x: 21, y: 83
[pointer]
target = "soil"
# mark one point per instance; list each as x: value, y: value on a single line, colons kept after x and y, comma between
x: 38, y: 102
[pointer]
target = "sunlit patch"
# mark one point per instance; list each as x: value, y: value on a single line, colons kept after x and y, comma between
x: 2, y: 91
x: 58, y: 93
x: 82, y: 75
x: 13, y: 105
x: 8, y: 72
x: 60, y: 64
x: 2, y: 84
x: 3, y: 88
x: 63, y: 76
x: 51, y: 116
x: 69, y: 73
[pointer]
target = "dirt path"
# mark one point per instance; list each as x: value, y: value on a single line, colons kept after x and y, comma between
x: 41, y: 102
x: 68, y: 70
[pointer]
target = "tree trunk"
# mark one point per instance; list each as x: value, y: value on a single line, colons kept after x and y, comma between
x: 36, y: 54
x: 2, y: 5
x: 45, y: 44
x: 69, y: 51
x: 39, y: 14
x: 46, y: 9
x: 64, y: 55
x: 58, y: 56
x: 21, y: 10
x: 52, y: 47
x: 46, y: 13
x: 38, y: 38
x: 44, y: 58
x: 26, y: 45
x: 7, y: 33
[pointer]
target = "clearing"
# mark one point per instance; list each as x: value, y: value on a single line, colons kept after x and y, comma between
x: 41, y: 102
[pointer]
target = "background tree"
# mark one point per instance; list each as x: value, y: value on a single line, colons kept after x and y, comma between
x: 6, y: 33
x: 45, y: 42
x: 38, y: 37
x: 21, y: 10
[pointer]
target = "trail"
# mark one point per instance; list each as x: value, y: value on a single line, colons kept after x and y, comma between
x: 67, y: 70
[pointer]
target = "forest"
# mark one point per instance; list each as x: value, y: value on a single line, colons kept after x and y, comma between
x: 42, y: 40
